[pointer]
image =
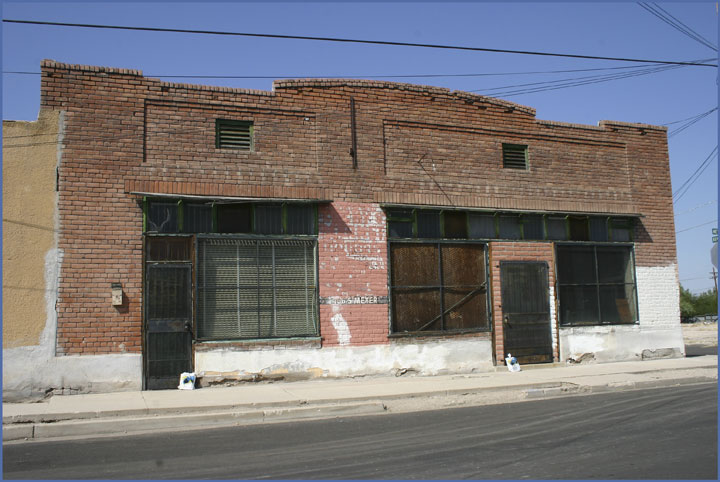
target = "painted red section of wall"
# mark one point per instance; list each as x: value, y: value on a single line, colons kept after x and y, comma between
x: 352, y: 259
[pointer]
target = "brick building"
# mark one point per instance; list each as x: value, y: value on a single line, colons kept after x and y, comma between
x: 342, y: 227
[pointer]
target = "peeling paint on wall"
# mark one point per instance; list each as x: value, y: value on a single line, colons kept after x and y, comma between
x: 341, y: 327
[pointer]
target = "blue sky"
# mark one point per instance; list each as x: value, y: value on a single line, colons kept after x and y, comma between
x: 600, y: 29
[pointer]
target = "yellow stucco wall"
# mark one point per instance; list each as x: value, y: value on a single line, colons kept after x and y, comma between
x: 30, y: 154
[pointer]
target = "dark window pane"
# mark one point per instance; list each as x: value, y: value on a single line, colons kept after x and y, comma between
x: 428, y: 224
x: 533, y: 227
x: 617, y: 303
x: 622, y: 230
x: 579, y: 229
x: 482, y: 226
x: 576, y: 264
x: 197, y: 218
x: 400, y: 229
x: 556, y: 228
x: 598, y: 229
x: 168, y: 292
x: 399, y: 214
x: 234, y: 218
x: 509, y: 227
x: 614, y: 265
x: 579, y: 305
x: 168, y: 249
x: 414, y: 264
x: 268, y: 219
x: 162, y: 217
x: 455, y: 224
x: 301, y: 219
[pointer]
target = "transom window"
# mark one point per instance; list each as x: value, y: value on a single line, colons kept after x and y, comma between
x: 419, y: 223
x: 192, y: 217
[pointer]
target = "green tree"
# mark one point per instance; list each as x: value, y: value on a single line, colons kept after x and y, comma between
x: 697, y: 305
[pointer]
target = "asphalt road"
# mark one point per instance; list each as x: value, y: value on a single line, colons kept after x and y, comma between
x: 668, y: 433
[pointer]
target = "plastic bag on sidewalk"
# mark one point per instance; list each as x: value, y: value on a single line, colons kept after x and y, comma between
x: 187, y: 381
x: 512, y: 363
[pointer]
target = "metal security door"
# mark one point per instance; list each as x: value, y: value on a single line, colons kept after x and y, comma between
x: 168, y: 313
x: 526, y: 311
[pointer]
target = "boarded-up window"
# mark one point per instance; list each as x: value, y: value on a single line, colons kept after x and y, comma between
x: 438, y: 287
x: 250, y: 288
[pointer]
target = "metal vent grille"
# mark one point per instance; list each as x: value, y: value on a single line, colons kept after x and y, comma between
x: 514, y: 156
x: 230, y: 134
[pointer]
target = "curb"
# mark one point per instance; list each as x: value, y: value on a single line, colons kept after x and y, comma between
x: 216, y: 418
x: 45, y: 427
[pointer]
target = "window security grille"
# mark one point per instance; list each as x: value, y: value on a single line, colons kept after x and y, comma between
x: 230, y: 134
x: 514, y: 156
x: 251, y: 288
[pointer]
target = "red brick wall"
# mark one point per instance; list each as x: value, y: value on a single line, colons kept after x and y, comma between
x: 352, y: 259
x: 415, y: 145
x: 517, y: 251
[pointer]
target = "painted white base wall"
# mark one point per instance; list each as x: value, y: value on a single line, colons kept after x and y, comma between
x: 426, y: 358
x: 32, y: 372
x: 658, y: 333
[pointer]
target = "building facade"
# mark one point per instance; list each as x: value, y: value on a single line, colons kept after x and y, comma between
x: 341, y: 227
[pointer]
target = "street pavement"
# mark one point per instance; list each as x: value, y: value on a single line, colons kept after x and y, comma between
x: 131, y: 412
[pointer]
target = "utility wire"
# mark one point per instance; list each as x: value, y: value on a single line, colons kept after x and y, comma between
x: 355, y: 76
x: 663, y: 15
x: 700, y: 117
x: 698, y: 226
x: 689, y: 118
x: 696, y: 207
x: 682, y: 190
x: 347, y: 40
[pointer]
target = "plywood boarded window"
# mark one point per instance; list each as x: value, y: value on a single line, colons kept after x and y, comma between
x: 438, y: 287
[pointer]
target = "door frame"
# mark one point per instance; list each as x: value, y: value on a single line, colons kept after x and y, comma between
x: 145, y: 268
x: 546, y: 297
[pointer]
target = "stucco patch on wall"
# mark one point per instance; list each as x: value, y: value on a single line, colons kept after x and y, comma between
x: 341, y: 327
x: 430, y: 358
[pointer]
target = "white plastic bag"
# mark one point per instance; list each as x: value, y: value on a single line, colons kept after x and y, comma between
x: 512, y: 363
x: 187, y: 381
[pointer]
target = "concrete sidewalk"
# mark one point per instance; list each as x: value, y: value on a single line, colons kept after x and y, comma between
x: 133, y: 412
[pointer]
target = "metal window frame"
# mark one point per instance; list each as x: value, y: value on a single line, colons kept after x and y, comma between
x: 314, y: 301
x: 597, y: 284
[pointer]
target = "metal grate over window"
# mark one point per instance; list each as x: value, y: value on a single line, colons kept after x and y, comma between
x: 233, y: 134
x: 438, y: 287
x: 514, y: 156
x: 249, y: 288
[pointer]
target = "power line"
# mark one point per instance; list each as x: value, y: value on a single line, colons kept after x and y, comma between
x: 362, y: 76
x: 696, y: 207
x: 663, y: 15
x: 347, y: 40
x: 682, y: 190
x: 697, y: 119
x: 698, y: 226
x: 689, y: 118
